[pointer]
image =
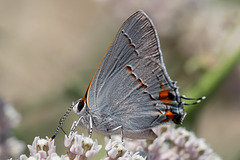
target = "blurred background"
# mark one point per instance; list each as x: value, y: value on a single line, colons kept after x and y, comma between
x: 49, y: 51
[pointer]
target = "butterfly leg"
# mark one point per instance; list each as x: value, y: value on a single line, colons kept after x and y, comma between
x: 75, y: 124
x: 117, y: 128
x: 90, y: 126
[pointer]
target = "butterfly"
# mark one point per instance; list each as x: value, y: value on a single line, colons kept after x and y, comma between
x: 131, y: 91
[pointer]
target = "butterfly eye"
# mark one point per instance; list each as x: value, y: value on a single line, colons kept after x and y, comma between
x: 80, y: 105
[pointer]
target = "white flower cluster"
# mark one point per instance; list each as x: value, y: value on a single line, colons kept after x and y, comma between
x: 79, y: 146
x: 171, y: 144
x: 41, y: 149
x: 116, y: 150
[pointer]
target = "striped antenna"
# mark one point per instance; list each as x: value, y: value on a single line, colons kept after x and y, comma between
x: 61, y: 121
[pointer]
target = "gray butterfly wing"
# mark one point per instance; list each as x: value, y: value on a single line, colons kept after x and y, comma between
x: 131, y: 87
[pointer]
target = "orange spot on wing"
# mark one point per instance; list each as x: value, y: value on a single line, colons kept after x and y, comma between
x: 164, y: 96
x: 141, y: 84
x: 169, y: 113
x: 161, y: 85
x: 169, y: 118
x: 133, y: 76
x: 129, y: 69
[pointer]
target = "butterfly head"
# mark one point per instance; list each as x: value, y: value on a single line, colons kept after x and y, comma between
x: 80, y: 107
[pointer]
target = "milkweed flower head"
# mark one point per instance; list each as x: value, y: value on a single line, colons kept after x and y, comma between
x: 40, y: 149
x: 171, y: 144
x: 174, y: 143
x: 80, y: 146
x: 116, y: 150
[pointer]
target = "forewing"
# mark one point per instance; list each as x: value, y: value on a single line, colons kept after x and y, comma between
x: 131, y: 76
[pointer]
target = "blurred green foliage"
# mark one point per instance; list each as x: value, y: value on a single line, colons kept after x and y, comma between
x: 208, y: 84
